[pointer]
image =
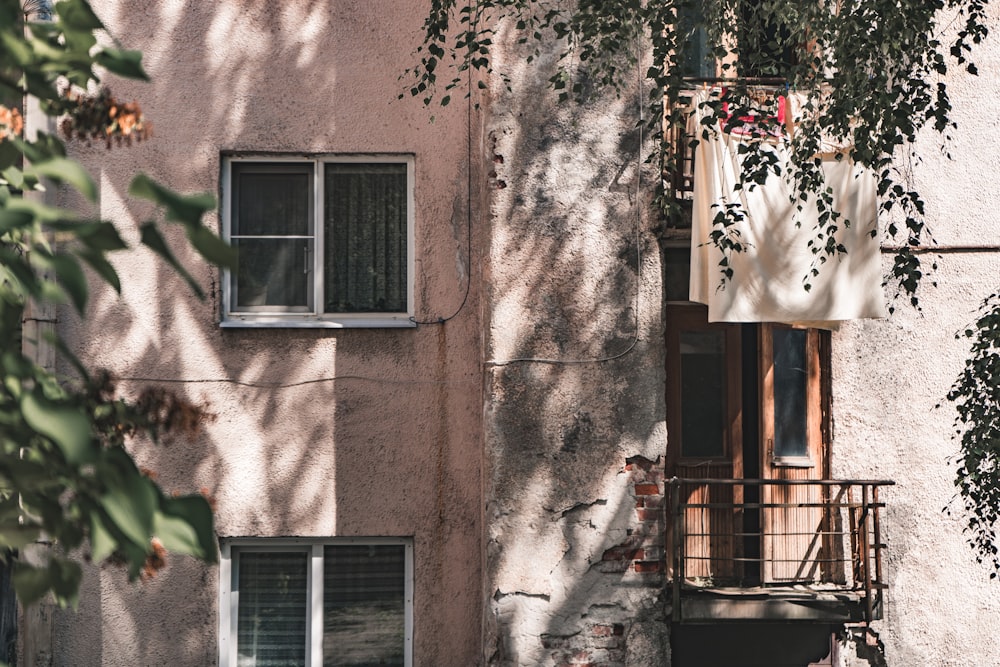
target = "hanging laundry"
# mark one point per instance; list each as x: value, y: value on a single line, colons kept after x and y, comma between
x: 769, y: 277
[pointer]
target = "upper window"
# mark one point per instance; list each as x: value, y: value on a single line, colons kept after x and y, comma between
x: 301, y: 603
x: 326, y: 241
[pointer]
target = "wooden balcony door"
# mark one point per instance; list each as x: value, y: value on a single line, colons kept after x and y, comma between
x: 704, y: 423
x: 795, y: 532
x: 748, y: 401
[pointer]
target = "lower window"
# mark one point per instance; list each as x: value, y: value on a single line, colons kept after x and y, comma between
x: 292, y: 603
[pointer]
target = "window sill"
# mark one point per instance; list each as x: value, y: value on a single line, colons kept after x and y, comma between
x: 392, y: 322
x: 793, y: 462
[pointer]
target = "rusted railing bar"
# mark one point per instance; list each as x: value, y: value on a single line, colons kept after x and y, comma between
x: 826, y: 533
x: 726, y: 535
x: 782, y: 482
x: 739, y: 559
x: 877, y: 534
x: 866, y: 556
x: 775, y: 505
x: 677, y: 535
x: 844, y: 554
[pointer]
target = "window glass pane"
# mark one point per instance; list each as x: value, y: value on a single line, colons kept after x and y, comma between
x: 272, y: 272
x: 703, y: 393
x: 363, y: 606
x: 365, y: 261
x: 697, y: 60
x: 791, y: 374
x: 677, y: 276
x: 271, y: 621
x: 272, y: 200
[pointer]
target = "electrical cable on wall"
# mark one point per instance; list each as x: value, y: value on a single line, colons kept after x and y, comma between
x: 468, y: 208
x: 287, y: 385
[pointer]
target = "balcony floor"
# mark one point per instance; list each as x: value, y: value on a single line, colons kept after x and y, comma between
x: 819, y: 603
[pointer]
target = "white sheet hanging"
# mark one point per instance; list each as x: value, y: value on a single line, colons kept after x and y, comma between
x: 769, y: 275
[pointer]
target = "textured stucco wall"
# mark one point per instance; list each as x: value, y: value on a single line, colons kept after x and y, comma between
x: 392, y: 445
x: 571, y: 403
x: 561, y: 288
x: 574, y: 377
x: 890, y: 376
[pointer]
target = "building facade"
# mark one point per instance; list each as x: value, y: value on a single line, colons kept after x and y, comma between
x: 450, y: 381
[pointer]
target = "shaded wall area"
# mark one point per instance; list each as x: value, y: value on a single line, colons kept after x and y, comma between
x: 574, y: 429
x: 316, y: 433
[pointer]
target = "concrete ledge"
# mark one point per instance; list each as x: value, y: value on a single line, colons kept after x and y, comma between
x: 772, y: 605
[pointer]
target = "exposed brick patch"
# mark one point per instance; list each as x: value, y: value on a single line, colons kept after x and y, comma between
x: 638, y: 463
x: 647, y: 514
x: 622, y: 552
x: 648, y: 566
x: 643, y: 550
x: 599, y: 645
x: 653, y: 501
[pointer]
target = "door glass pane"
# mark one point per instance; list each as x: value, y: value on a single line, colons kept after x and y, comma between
x: 791, y: 374
x: 272, y: 272
x: 271, y: 620
x: 270, y: 203
x: 365, y: 260
x: 363, y: 606
x: 703, y: 393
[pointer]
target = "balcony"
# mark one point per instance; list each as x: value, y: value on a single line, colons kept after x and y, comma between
x: 776, y: 550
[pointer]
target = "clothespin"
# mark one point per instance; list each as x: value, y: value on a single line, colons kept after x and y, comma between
x: 789, y: 119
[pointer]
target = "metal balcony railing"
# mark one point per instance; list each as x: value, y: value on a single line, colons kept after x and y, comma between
x: 771, y: 535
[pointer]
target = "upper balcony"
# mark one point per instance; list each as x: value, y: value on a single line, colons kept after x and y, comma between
x: 776, y: 550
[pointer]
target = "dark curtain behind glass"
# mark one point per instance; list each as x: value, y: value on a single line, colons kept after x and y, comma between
x: 365, y: 254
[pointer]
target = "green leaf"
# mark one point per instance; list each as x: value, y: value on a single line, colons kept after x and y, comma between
x: 102, y: 543
x: 185, y: 209
x: 71, y: 278
x: 66, y: 576
x: 30, y: 583
x: 78, y: 15
x: 211, y: 247
x: 102, y: 267
x: 44, y: 213
x: 8, y: 154
x: 151, y: 238
x: 123, y: 63
x: 13, y: 176
x: 184, y: 525
x: 17, y: 536
x: 101, y: 236
x: 131, y: 505
x: 65, y: 425
x: 63, y: 170
x: 61, y: 576
x: 14, y: 219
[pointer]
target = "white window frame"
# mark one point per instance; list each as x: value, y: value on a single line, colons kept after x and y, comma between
x: 230, y: 549
x: 314, y: 317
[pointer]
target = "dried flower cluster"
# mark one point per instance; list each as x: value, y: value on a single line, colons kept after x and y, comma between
x: 101, y: 116
x: 11, y: 122
x: 155, y: 561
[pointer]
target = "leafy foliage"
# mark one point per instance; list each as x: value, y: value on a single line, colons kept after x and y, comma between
x: 872, y: 73
x: 976, y: 395
x: 65, y: 475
